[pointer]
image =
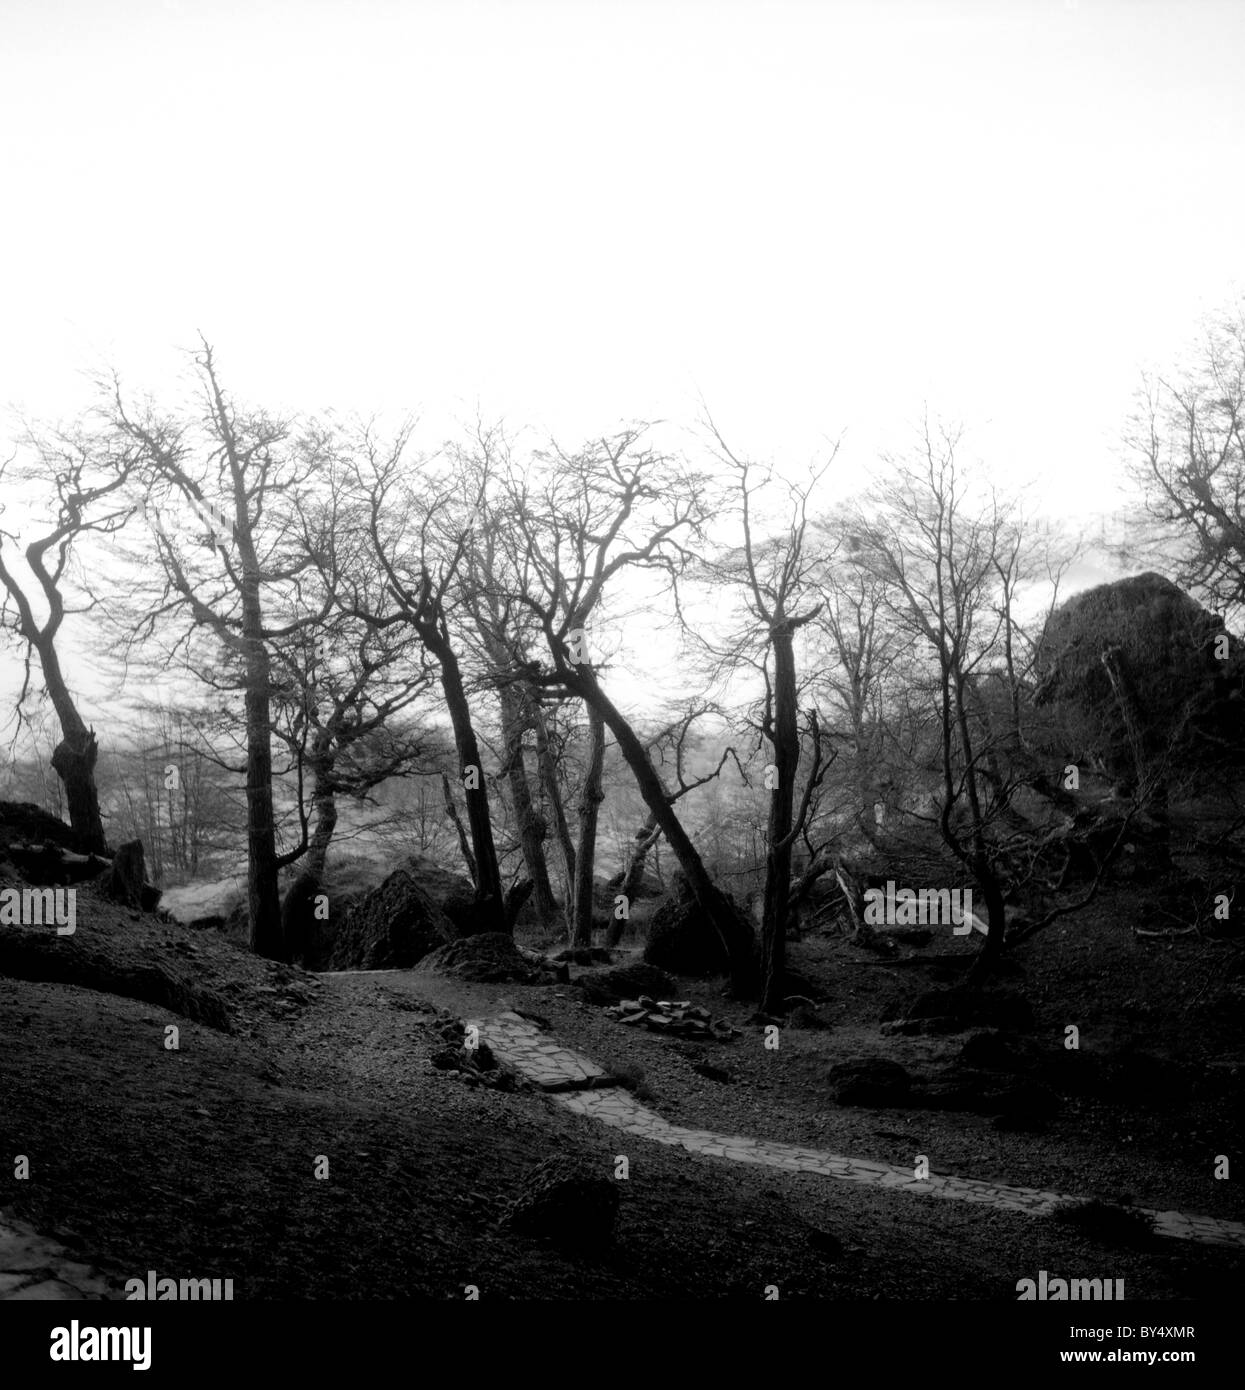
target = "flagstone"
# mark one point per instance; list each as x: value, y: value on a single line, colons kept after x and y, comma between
x: 573, y: 1076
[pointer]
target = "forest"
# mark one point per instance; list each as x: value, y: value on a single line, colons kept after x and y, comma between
x: 652, y: 738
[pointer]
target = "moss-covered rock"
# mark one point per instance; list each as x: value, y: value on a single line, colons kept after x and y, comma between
x: 682, y: 939
x: 395, y: 925
x: 1145, y: 642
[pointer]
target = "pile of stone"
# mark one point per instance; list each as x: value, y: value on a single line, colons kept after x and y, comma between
x: 473, y: 1066
x: 678, y: 1017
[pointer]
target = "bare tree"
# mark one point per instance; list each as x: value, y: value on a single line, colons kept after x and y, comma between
x: 938, y: 562
x: 668, y: 744
x: 614, y: 506
x: 1188, y: 446
x: 505, y: 635
x: 236, y: 471
x: 419, y: 522
x: 164, y: 788
x: 344, y: 688
x: 778, y: 574
x: 87, y: 485
x: 857, y: 649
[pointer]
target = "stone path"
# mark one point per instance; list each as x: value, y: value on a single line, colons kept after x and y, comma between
x: 585, y: 1088
x: 32, y: 1267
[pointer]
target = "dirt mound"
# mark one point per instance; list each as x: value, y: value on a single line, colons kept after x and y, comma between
x: 490, y: 958
x: 99, y: 960
x: 394, y: 926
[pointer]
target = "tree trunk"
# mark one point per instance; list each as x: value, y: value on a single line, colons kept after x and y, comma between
x: 983, y: 870
x: 645, y: 838
x: 74, y: 758
x: 589, y: 807
x: 464, y: 844
x: 531, y: 826
x: 263, y: 898
x: 734, y: 933
x: 633, y: 875
x: 549, y: 777
x: 489, y: 895
x: 324, y: 808
x: 785, y: 738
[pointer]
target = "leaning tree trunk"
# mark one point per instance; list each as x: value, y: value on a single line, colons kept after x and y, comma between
x: 489, y: 895
x: 589, y: 808
x: 734, y: 933
x: 786, y: 747
x: 74, y: 758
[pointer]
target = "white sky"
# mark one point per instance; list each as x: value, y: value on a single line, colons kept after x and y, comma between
x: 819, y: 214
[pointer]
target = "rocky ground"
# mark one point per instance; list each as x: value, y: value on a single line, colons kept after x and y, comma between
x: 201, y: 1161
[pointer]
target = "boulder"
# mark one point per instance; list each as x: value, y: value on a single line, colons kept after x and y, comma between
x: 1145, y: 641
x: 394, y: 926
x: 627, y: 982
x: 489, y: 958
x: 562, y: 1201
x: 681, y: 938
x: 993, y: 1051
x: 1018, y: 1105
x: 872, y: 1081
x: 803, y: 1013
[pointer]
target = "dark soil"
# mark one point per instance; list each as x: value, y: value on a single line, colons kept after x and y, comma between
x: 201, y: 1161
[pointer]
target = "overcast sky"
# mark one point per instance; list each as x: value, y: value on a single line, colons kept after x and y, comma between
x: 817, y: 214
